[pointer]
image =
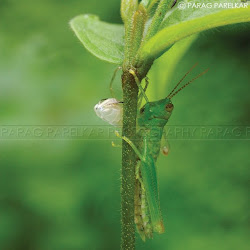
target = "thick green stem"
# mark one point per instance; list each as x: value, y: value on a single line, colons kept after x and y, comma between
x: 134, y: 28
x: 130, y: 93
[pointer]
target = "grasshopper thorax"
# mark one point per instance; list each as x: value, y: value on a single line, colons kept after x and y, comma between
x: 155, y: 113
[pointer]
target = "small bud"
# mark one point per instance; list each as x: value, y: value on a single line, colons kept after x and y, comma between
x: 128, y: 7
x: 138, y: 25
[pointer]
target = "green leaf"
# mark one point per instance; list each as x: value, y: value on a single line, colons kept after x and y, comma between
x: 178, y: 14
x: 170, y: 61
x: 104, y: 40
x: 195, y: 23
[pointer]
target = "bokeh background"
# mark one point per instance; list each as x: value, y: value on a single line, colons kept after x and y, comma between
x: 63, y: 192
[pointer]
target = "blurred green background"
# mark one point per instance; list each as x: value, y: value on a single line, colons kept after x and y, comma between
x: 63, y: 194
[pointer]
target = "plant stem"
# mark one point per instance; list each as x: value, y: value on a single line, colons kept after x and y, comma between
x: 130, y: 93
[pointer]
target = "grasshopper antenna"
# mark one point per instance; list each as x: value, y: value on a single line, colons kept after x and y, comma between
x: 185, y: 85
x: 181, y: 80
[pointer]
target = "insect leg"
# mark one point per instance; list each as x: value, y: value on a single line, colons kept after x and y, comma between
x: 112, y: 80
x: 115, y: 145
x: 132, y: 145
x: 141, y: 94
x: 139, y: 84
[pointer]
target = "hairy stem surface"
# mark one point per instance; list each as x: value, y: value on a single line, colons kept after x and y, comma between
x: 130, y: 93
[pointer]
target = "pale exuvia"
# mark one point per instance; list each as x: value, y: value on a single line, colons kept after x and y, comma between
x: 110, y: 110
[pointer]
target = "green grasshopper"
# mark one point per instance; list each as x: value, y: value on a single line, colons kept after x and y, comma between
x: 151, y: 120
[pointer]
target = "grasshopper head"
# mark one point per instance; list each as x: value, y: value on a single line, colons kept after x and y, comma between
x: 155, y: 113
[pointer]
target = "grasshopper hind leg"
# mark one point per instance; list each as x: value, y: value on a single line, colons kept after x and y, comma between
x: 142, y: 215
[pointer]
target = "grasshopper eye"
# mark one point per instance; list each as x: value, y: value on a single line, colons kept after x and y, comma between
x: 142, y: 110
x: 169, y: 107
